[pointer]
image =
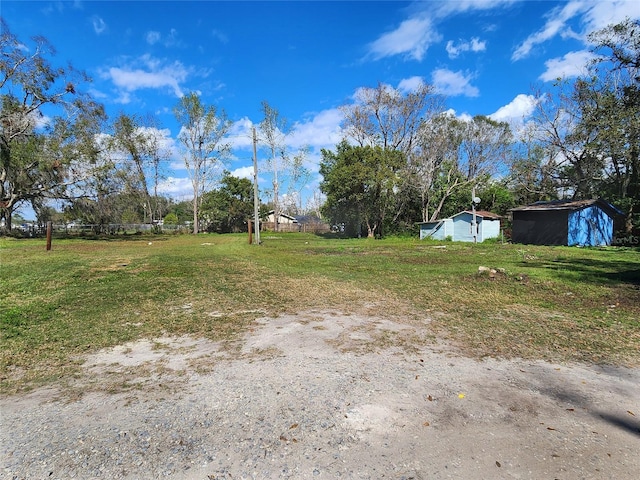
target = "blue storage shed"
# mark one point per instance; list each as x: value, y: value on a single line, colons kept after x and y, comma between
x: 565, y: 222
x: 459, y: 227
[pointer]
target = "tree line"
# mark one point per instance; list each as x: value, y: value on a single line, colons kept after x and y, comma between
x: 404, y: 157
x: 407, y: 159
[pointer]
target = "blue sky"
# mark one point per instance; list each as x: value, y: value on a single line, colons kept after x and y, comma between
x: 307, y: 58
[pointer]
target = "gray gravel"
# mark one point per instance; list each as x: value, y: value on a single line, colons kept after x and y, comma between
x: 321, y: 395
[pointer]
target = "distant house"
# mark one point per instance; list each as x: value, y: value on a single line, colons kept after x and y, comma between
x: 459, y: 227
x: 311, y: 223
x: 565, y: 222
x: 286, y: 223
x: 282, y: 218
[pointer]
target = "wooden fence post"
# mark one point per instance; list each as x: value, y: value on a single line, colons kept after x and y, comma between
x: 49, y: 228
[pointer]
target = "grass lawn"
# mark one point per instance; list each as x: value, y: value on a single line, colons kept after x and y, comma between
x: 557, y: 303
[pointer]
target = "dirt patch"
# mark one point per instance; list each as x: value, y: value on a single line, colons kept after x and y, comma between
x: 326, y: 395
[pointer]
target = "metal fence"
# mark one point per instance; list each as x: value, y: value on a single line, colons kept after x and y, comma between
x: 28, y: 230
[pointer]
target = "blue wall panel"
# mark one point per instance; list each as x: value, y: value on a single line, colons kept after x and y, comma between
x: 591, y: 227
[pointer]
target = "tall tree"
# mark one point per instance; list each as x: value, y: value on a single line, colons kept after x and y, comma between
x: 202, y: 137
x: 532, y: 172
x: 30, y: 171
x: 287, y: 165
x: 391, y: 119
x: 136, y: 143
x: 388, y: 117
x: 610, y: 106
x: 451, y: 155
x: 557, y: 118
x: 433, y: 166
x: 360, y: 184
x: 227, y: 208
x: 273, y: 131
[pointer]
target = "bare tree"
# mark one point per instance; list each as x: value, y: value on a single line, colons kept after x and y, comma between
x: 202, y: 133
x: 286, y: 166
x: 390, y: 118
x: 451, y: 154
x: 30, y: 171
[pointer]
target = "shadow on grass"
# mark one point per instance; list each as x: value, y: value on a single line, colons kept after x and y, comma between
x: 599, y: 271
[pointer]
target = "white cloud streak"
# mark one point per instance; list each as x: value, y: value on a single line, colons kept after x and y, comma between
x: 154, y: 74
x: 453, y: 84
x: 572, y: 64
x: 475, y: 45
x: 592, y: 14
x: 413, y: 37
x: 178, y: 188
x: 99, y: 25
x: 411, y: 84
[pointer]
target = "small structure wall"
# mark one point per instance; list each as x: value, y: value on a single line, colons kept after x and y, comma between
x: 590, y: 226
x: 540, y: 228
x: 489, y: 228
x: 438, y: 230
x: 459, y: 228
x: 560, y: 222
x: 485, y: 227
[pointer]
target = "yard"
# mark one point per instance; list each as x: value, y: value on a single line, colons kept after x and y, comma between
x: 204, y: 357
x: 553, y: 303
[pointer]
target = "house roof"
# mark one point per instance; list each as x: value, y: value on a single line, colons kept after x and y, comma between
x: 308, y: 219
x: 572, y: 205
x: 481, y: 213
x: 271, y: 212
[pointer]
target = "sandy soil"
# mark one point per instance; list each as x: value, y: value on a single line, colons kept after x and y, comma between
x: 324, y: 395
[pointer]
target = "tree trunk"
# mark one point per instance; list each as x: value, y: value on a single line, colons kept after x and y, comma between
x: 6, y: 214
x: 195, y: 213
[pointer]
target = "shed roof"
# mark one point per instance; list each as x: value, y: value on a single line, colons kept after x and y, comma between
x: 481, y: 213
x: 572, y: 205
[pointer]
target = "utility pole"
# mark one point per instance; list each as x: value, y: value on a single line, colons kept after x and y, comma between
x: 256, y: 201
x: 474, y: 221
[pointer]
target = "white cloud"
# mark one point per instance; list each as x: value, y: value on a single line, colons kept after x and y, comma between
x: 152, y: 37
x: 166, y: 143
x: 447, y: 9
x: 452, y: 84
x: 99, y: 26
x: 475, y: 45
x: 321, y: 131
x: 155, y: 74
x: 240, y: 134
x: 519, y: 108
x: 178, y: 188
x: 557, y: 19
x: 417, y: 33
x: 593, y: 15
x: 610, y: 12
x: 570, y: 65
x: 412, y: 38
x: 465, y: 117
x: 243, y: 172
x: 411, y: 84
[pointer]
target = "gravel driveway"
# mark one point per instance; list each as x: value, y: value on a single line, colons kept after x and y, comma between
x: 323, y: 395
